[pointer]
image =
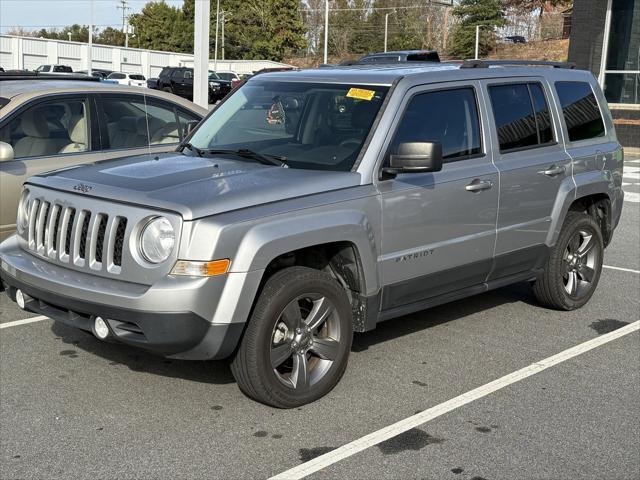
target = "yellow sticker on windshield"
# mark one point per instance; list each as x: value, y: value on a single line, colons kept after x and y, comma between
x: 361, y: 93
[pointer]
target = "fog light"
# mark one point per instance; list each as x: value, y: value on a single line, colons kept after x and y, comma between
x: 100, y: 328
x: 20, y: 299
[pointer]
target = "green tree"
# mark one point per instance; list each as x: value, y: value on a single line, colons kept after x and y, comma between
x: 110, y: 36
x: 160, y: 26
x: 486, y: 13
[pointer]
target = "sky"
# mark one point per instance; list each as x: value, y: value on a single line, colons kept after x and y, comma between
x: 37, y: 14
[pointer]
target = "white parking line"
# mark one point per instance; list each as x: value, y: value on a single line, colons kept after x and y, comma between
x: 414, y: 421
x: 621, y: 269
x: 22, y: 322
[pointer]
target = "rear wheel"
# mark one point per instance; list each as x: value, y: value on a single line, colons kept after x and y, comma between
x: 297, y: 343
x: 573, y: 269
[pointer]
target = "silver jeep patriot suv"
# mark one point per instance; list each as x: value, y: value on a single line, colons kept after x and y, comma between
x: 313, y: 204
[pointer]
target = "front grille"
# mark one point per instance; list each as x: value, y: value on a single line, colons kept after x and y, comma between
x: 78, y: 237
x: 119, y: 241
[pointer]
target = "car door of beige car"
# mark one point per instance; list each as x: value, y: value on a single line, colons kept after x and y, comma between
x: 45, y: 135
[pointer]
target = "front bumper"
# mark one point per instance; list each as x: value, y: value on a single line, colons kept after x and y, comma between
x: 171, y: 318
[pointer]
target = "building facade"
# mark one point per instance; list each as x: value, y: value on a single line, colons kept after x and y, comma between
x: 605, y: 38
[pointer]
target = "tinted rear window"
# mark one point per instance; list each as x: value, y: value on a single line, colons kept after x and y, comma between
x: 117, y: 76
x: 424, y: 57
x: 580, y: 110
x: 136, y: 77
x: 521, y: 115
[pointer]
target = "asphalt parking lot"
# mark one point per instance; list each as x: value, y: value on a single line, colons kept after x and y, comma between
x: 74, y: 407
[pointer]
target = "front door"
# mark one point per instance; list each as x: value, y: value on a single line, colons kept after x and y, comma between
x: 439, y: 228
x: 45, y: 135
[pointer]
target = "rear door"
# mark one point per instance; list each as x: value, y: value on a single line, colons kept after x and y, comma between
x: 589, y: 143
x: 132, y: 124
x: 438, y: 228
x: 533, y: 166
x: 46, y: 135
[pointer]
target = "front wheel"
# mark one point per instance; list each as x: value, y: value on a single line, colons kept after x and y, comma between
x: 296, y: 345
x: 573, y: 269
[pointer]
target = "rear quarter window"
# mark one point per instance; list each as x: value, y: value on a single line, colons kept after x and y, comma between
x: 580, y: 110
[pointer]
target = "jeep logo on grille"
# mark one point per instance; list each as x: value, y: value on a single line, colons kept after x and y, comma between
x: 81, y: 187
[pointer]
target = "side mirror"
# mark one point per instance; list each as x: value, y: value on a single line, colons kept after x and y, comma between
x: 190, y: 126
x: 6, y: 152
x: 415, y: 157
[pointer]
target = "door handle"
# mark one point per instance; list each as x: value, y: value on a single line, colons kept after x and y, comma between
x: 553, y: 170
x: 478, y: 185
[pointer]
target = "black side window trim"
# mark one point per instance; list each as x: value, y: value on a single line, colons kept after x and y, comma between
x: 535, y: 116
x: 472, y: 87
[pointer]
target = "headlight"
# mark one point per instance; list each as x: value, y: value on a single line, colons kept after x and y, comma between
x: 157, y: 240
x: 214, y: 84
x: 22, y: 222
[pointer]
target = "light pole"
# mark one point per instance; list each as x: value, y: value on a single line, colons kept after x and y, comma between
x: 90, y: 36
x: 215, y: 48
x: 386, y: 28
x: 477, y: 41
x: 326, y: 29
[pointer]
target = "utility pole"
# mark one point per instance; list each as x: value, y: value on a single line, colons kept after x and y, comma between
x: 225, y: 15
x: 326, y: 29
x: 386, y: 27
x: 215, y: 49
x: 124, y: 7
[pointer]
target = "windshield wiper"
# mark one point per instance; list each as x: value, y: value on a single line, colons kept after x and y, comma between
x: 195, y: 150
x: 264, y: 158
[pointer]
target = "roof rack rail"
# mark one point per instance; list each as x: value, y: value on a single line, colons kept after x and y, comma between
x: 28, y: 75
x: 515, y: 63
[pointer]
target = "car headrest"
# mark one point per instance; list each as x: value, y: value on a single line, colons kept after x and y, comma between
x: 34, y: 124
x: 127, y: 123
x: 152, y: 123
x: 78, y: 129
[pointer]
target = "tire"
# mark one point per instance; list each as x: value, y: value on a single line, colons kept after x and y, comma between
x: 288, y: 335
x: 567, y: 282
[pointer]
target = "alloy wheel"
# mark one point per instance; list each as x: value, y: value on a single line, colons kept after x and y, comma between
x: 305, y: 341
x: 579, y: 263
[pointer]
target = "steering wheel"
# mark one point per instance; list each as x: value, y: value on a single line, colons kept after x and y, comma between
x: 350, y: 143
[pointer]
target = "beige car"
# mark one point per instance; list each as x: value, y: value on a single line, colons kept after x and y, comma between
x: 51, y: 124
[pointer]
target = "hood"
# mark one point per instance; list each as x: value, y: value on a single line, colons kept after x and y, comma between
x: 192, y: 186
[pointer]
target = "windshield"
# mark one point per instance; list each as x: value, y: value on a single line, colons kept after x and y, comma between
x: 312, y: 125
x: 213, y: 75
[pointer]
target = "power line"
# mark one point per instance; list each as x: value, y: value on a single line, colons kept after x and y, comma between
x: 124, y: 7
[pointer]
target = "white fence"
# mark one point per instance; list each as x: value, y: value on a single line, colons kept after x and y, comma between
x: 29, y: 53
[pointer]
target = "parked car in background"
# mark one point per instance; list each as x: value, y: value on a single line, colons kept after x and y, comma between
x: 97, y: 72
x: 179, y: 81
x: 130, y: 79
x: 55, y: 69
x: 401, y: 56
x: 515, y: 39
x: 152, y: 83
x: 230, y: 76
x: 48, y: 124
